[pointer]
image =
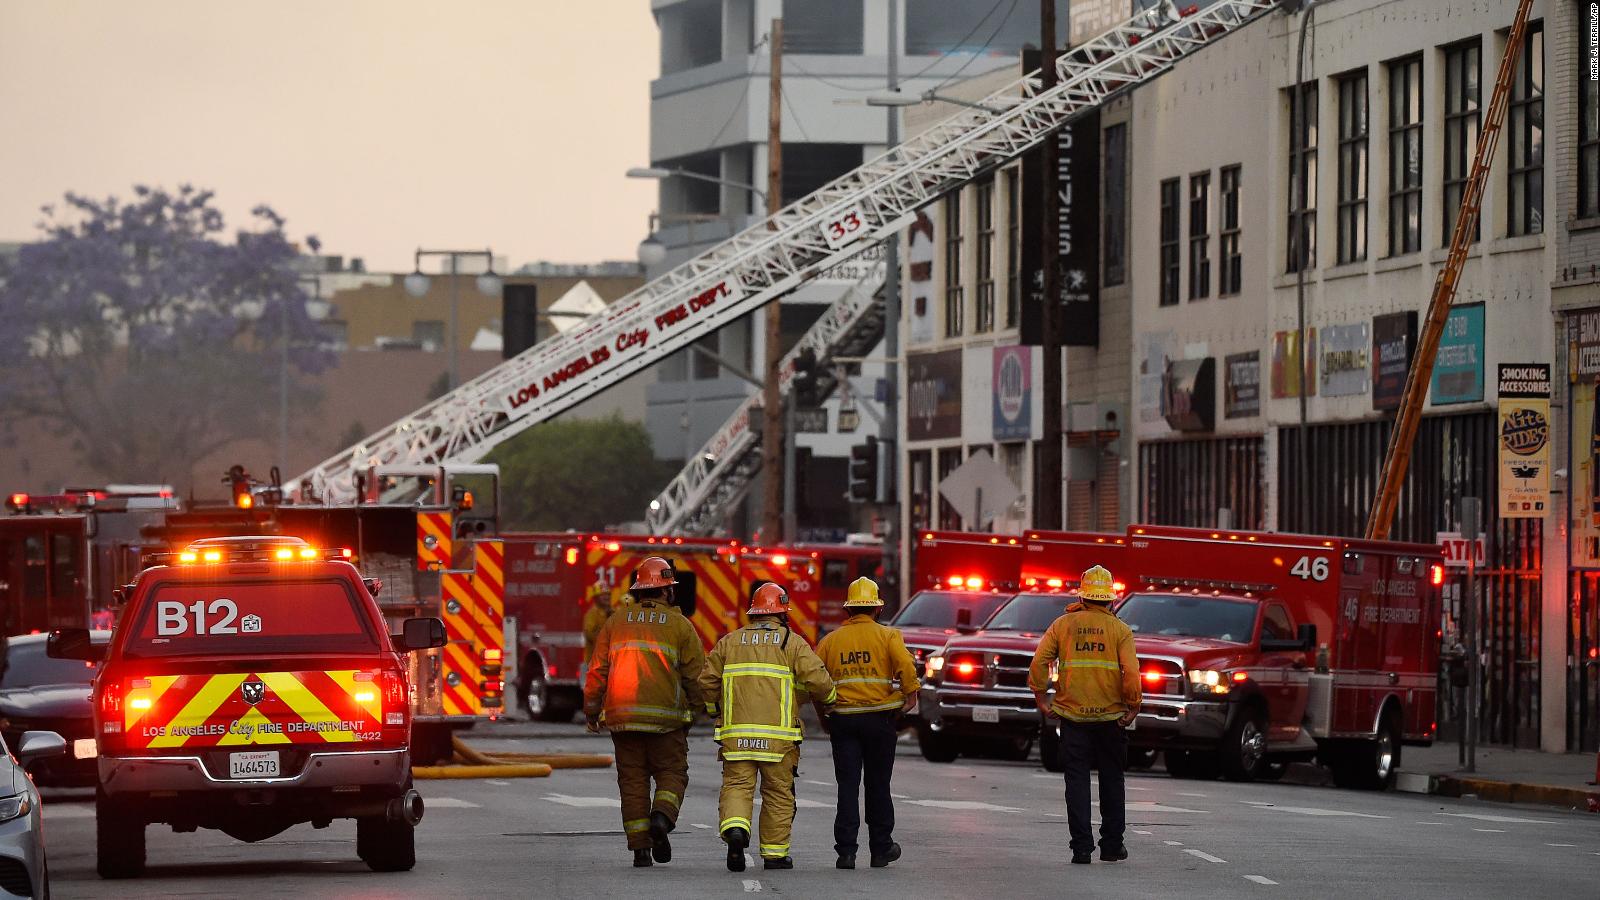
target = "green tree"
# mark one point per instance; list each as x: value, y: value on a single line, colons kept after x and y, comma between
x: 581, y: 474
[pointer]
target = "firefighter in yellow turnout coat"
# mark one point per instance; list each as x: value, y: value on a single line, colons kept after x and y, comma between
x: 877, y: 681
x: 643, y: 685
x: 750, y: 683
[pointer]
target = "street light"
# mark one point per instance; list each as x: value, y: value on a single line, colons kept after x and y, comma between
x: 417, y: 284
x: 901, y: 99
x: 652, y: 252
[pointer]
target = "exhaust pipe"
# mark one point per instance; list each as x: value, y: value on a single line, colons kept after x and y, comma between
x: 406, y: 808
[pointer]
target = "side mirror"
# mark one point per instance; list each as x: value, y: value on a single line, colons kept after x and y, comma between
x: 36, y: 745
x: 73, y: 643
x: 373, y: 585
x: 423, y: 633
x: 1305, y: 639
x: 964, y: 621
x: 1308, y: 637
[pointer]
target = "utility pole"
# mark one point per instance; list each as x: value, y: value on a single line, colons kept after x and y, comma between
x: 890, y: 427
x: 1047, y: 504
x: 772, y: 435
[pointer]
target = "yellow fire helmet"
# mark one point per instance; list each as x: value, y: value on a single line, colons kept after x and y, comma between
x: 1097, y: 586
x: 863, y: 592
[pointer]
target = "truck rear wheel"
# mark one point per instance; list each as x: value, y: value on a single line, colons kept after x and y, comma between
x: 119, y: 839
x: 1244, y: 747
x: 544, y: 703
x: 936, y: 746
x: 386, y: 846
x: 1371, y: 765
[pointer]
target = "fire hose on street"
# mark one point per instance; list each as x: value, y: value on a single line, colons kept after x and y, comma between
x: 470, y: 763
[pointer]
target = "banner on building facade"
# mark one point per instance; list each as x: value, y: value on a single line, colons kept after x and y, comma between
x: 1343, y: 364
x: 1241, y: 390
x: 1394, y: 339
x: 1189, y: 394
x: 933, y: 395
x: 1458, y: 369
x: 1013, y: 393
x: 1524, y: 432
x: 1583, y: 344
x: 1078, y: 231
x: 1290, y: 367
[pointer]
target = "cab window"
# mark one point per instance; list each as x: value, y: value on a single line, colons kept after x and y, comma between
x: 835, y: 573
x: 1275, y: 624
x: 184, y: 618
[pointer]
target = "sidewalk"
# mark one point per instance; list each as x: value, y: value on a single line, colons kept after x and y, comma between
x: 1503, y: 775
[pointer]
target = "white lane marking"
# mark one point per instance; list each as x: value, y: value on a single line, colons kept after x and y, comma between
x: 1204, y: 855
x: 751, y: 886
x: 1047, y: 775
x: 1189, y: 794
x: 700, y: 825
x: 580, y: 802
x: 1487, y: 817
x: 1491, y: 830
x: 750, y: 861
x: 1173, y: 843
x: 1259, y: 879
x: 900, y: 796
x: 498, y: 783
x: 1561, y: 845
x: 816, y: 782
x: 451, y: 803
x: 805, y: 803
x: 963, y: 804
x: 1433, y: 823
x: 58, y: 811
x: 1149, y: 806
x: 1137, y: 831
x: 1129, y: 787
x: 1055, y: 815
x: 1310, y: 810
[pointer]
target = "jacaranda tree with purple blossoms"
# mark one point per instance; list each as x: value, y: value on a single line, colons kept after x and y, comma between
x: 148, y: 334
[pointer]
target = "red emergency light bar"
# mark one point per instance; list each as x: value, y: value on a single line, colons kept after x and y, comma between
x: 1164, y: 581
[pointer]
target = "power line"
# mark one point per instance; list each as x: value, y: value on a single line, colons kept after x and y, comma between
x: 992, y: 35
x: 961, y: 43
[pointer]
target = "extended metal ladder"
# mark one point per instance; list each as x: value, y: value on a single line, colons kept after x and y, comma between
x: 767, y: 259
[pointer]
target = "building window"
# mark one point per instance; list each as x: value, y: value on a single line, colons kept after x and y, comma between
x: 1525, y: 131
x: 1405, y: 156
x: 1588, y: 147
x: 1013, y: 246
x: 985, y: 314
x: 1231, y: 276
x: 822, y: 27
x: 1353, y: 167
x: 1169, y: 242
x: 954, y: 302
x: 429, y: 334
x: 1303, y: 180
x: 1114, y: 230
x: 1199, y: 236
x: 1462, y: 119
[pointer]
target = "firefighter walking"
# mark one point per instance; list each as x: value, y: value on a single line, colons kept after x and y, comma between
x: 643, y: 685
x: 877, y: 681
x: 750, y: 683
x: 1097, y: 697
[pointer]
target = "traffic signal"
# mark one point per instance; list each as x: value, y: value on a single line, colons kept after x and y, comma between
x: 804, y: 386
x: 519, y: 318
x: 238, y: 481
x: 864, y: 471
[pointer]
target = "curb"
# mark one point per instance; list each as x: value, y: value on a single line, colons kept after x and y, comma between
x: 1499, y: 791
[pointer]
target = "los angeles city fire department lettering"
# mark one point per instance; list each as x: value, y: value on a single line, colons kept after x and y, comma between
x: 338, y: 706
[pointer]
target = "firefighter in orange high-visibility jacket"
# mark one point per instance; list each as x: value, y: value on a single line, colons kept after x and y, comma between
x: 1097, y: 695
x: 750, y: 684
x: 643, y: 685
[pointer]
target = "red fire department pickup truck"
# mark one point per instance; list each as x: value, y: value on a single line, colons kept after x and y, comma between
x: 1255, y: 649
x: 251, y: 685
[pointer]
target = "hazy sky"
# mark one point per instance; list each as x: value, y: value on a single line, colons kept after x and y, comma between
x: 377, y: 125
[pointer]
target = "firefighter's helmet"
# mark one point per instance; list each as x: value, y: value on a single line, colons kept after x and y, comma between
x: 654, y: 572
x: 1097, y: 586
x: 769, y: 600
x: 863, y: 592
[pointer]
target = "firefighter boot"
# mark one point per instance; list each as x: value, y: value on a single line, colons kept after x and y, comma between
x: 880, y: 860
x: 641, y: 858
x: 846, y: 861
x: 737, y: 839
x: 781, y: 862
x: 660, y: 847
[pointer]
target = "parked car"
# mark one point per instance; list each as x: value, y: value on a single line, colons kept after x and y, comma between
x: 23, y: 871
x: 38, y: 693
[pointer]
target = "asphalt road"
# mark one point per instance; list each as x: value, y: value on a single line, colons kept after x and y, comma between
x: 974, y: 828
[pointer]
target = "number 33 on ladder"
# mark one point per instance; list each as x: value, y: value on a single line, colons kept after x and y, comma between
x: 846, y: 227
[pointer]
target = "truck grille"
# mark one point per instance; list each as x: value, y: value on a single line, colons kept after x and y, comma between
x: 1161, y: 677
x: 1011, y: 670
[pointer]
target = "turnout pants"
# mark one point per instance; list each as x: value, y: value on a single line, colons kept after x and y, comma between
x: 777, y: 799
x: 863, y: 743
x: 1104, y: 746
x: 641, y: 757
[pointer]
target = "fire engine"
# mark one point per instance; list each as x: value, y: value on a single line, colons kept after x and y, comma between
x: 428, y: 534
x: 1262, y: 649
x: 1255, y: 650
x: 552, y: 580
x: 64, y: 555
x: 253, y: 685
x: 976, y: 698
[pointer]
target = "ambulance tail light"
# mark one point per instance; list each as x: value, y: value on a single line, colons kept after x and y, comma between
x: 1436, y: 575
